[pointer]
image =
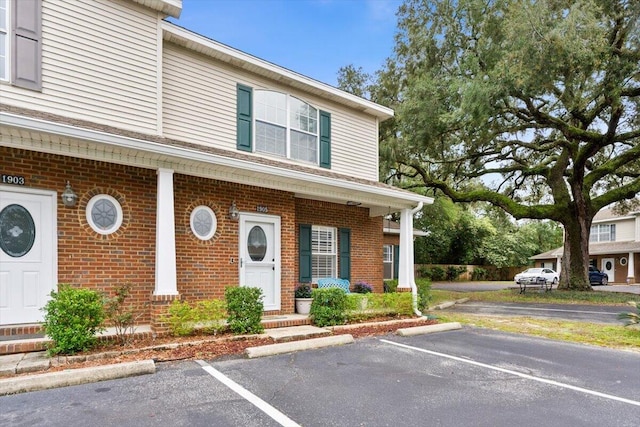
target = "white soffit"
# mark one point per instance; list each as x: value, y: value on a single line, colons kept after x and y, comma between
x: 198, y: 43
x: 168, y: 7
x: 56, y: 138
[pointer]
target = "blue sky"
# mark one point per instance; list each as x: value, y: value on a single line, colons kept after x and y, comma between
x: 311, y: 37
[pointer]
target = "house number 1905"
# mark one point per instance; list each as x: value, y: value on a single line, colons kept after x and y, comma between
x: 262, y: 209
x: 12, y: 179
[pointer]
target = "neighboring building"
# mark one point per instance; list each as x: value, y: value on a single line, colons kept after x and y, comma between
x: 391, y: 248
x: 614, y: 247
x: 186, y: 165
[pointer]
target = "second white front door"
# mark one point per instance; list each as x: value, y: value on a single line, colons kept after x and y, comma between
x: 608, y: 266
x: 260, y: 256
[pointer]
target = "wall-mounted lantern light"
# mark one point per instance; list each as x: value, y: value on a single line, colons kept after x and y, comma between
x: 68, y: 196
x: 234, y: 213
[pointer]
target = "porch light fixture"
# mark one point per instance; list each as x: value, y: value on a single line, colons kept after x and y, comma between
x: 68, y: 196
x: 234, y: 213
x: 352, y: 203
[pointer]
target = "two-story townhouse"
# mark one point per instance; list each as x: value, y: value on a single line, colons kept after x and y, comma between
x: 136, y: 151
x: 614, y: 247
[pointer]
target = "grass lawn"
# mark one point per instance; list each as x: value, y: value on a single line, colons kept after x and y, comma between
x: 612, y: 336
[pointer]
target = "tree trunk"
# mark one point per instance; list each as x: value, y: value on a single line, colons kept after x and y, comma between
x: 575, y: 260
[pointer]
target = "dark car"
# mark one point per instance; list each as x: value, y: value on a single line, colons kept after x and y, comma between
x: 597, y: 277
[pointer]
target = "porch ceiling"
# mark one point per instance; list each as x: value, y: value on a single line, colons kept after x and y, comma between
x: 304, y: 182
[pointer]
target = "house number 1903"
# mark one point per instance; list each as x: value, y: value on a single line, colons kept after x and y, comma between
x: 12, y: 179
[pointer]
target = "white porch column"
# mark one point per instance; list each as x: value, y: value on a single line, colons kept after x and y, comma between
x: 558, y: 265
x: 631, y: 268
x: 406, y: 278
x: 166, y: 277
x: 405, y: 264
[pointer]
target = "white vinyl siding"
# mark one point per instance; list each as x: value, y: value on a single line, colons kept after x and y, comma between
x: 625, y: 230
x: 99, y: 63
x: 199, y: 101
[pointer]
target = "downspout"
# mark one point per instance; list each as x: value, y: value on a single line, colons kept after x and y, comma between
x: 414, y: 287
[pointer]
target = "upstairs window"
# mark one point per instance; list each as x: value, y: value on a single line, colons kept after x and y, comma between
x: 603, y: 233
x: 286, y: 126
x: 21, y: 43
x: 279, y: 124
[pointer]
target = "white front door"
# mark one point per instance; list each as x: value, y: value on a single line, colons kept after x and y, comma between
x: 608, y: 266
x: 28, y: 253
x: 260, y: 256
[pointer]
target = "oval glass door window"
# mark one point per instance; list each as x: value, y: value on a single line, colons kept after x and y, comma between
x: 17, y: 231
x: 257, y: 243
x: 608, y: 265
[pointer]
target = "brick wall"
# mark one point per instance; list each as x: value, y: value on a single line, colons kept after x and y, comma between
x: 366, y: 236
x: 205, y: 268
x: 391, y: 239
x: 86, y: 258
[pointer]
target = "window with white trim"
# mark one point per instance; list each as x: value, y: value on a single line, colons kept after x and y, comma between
x: 203, y: 222
x: 4, y: 39
x: 285, y: 126
x: 324, y: 245
x: 603, y: 233
x: 104, y: 214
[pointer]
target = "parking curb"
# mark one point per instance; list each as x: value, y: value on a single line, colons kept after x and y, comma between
x: 289, y: 347
x: 75, y: 377
x: 428, y: 329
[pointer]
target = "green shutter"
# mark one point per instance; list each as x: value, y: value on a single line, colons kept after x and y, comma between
x: 304, y: 260
x: 325, y: 140
x: 245, y: 123
x: 345, y: 253
x: 396, y: 260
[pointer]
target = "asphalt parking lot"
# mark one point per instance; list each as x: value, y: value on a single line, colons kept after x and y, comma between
x: 469, y: 377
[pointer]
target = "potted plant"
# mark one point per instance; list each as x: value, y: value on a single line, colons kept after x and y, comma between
x: 303, y: 298
x: 363, y: 288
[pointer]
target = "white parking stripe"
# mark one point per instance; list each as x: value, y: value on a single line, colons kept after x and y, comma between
x: 518, y: 374
x: 276, y: 415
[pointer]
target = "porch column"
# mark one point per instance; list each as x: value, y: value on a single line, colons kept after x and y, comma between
x: 558, y: 266
x: 631, y: 269
x: 405, y: 264
x: 166, y: 279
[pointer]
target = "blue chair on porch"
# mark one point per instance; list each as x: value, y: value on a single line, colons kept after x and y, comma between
x: 332, y: 282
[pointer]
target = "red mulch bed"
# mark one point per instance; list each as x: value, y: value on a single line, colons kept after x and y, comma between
x: 204, y: 346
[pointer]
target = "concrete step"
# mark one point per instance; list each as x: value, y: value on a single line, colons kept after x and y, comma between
x: 296, y: 332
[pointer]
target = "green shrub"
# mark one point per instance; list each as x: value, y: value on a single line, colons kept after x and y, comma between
x: 390, y: 285
x: 184, y: 318
x: 424, y: 272
x: 454, y: 271
x: 210, y: 315
x: 72, y: 318
x: 424, y: 293
x: 121, y: 315
x: 393, y: 303
x: 328, y: 307
x: 438, y: 273
x: 479, y: 273
x: 245, y: 307
x: 180, y: 318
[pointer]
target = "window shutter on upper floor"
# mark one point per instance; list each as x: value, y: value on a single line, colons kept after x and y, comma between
x: 244, y: 117
x: 325, y: 140
x: 304, y: 248
x: 345, y: 253
x: 26, y: 44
